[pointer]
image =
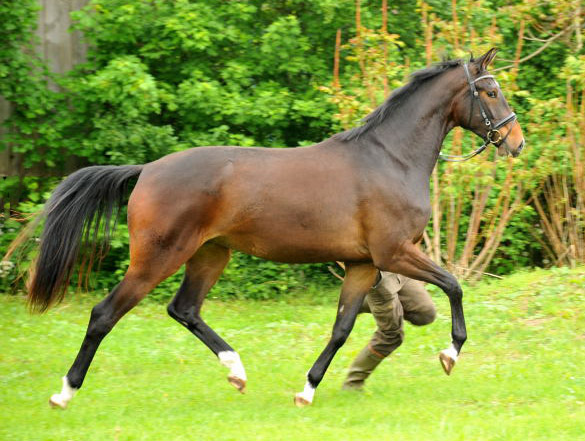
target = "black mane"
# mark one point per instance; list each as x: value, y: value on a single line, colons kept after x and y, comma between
x: 396, y: 98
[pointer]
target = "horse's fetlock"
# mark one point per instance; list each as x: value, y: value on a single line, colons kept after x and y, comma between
x: 74, y: 381
x: 460, y: 338
x: 313, y: 380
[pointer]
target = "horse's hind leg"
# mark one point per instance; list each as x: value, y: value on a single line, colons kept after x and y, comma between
x: 359, y: 278
x: 103, y: 318
x: 202, y: 271
x: 154, y: 266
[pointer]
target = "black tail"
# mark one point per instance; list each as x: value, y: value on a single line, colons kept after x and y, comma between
x: 81, y: 207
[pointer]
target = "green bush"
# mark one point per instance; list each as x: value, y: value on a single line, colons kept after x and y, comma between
x: 164, y: 76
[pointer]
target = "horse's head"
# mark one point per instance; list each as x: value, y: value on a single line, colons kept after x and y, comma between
x: 482, y: 108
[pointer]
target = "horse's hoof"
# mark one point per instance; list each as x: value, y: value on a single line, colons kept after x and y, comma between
x: 238, y: 383
x: 56, y: 402
x: 447, y: 362
x: 300, y: 401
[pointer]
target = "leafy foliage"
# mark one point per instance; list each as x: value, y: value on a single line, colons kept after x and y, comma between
x: 163, y: 76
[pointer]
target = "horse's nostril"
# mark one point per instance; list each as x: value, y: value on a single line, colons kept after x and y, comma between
x: 519, y: 149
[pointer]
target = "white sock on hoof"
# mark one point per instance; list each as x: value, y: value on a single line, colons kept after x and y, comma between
x: 63, y: 398
x: 308, y: 392
x: 231, y: 360
x: 450, y: 352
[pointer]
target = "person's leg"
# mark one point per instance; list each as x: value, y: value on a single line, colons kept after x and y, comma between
x: 385, y: 306
x: 417, y: 304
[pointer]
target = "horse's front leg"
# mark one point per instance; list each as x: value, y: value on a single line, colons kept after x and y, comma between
x: 411, y: 262
x: 359, y: 278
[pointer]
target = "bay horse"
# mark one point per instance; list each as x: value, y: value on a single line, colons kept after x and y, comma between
x: 361, y: 197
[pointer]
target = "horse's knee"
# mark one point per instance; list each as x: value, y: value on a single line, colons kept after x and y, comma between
x: 453, y: 289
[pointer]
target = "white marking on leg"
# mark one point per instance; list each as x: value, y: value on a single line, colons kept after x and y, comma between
x: 231, y: 360
x: 308, y: 392
x: 451, y: 352
x: 63, y: 398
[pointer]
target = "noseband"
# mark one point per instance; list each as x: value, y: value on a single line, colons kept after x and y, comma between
x: 493, y: 135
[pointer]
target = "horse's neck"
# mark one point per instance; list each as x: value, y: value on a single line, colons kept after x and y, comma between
x: 414, y: 133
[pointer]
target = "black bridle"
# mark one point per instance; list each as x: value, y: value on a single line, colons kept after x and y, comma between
x: 493, y: 135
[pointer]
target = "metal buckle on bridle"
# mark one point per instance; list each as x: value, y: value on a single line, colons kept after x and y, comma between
x: 494, y: 140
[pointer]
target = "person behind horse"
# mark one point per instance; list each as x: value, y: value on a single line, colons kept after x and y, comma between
x: 393, y: 299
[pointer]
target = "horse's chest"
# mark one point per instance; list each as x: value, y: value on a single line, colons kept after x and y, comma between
x: 405, y: 212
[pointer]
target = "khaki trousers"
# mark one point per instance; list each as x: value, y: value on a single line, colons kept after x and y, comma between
x: 392, y: 300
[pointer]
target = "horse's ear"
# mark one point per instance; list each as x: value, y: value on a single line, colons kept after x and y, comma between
x: 485, y: 60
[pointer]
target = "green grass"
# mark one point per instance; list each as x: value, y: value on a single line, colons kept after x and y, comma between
x: 521, y: 375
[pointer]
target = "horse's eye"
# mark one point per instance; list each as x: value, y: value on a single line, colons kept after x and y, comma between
x: 492, y: 94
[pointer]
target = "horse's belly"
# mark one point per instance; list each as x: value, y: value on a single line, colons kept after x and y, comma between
x: 298, y: 246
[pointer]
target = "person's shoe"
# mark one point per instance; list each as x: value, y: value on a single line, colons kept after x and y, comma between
x: 361, y: 368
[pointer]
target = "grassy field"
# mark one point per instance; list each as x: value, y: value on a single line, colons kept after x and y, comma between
x: 521, y: 376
